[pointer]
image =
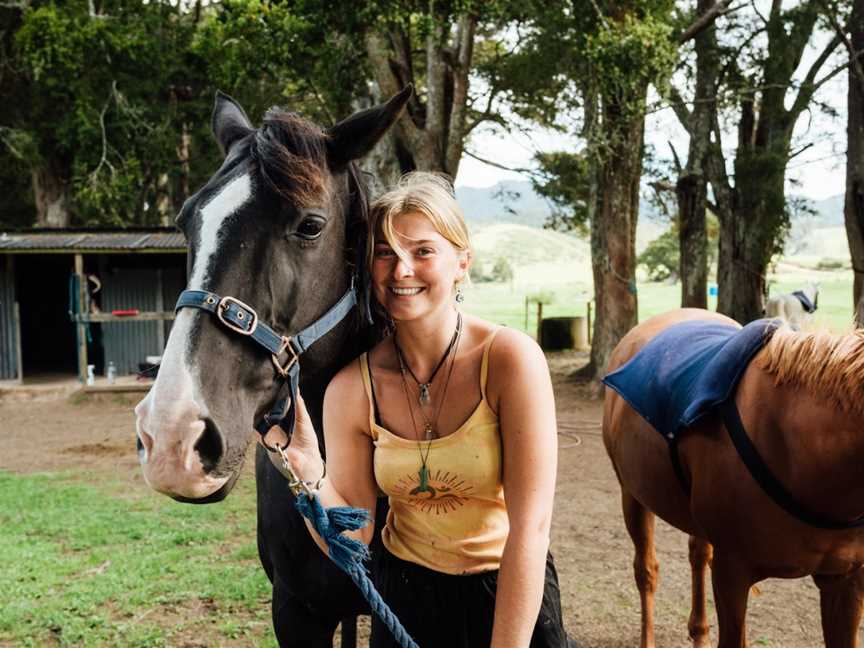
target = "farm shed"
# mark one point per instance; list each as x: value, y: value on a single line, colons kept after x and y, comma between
x: 69, y: 298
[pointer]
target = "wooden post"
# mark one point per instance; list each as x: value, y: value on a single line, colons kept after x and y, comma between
x: 16, y: 315
x: 526, y: 313
x: 80, y: 327
x: 539, y: 321
x: 160, y: 306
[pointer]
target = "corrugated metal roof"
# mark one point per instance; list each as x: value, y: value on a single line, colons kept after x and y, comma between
x: 130, y: 241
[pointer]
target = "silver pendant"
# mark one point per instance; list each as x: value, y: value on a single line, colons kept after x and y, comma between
x: 425, y: 396
x: 429, y: 432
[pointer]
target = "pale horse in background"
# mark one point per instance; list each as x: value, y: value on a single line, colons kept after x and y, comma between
x: 796, y: 307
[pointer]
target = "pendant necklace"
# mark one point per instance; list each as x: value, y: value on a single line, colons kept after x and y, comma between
x: 429, y: 427
x: 425, y: 392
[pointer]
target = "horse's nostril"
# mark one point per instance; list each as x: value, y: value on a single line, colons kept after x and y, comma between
x: 209, y: 446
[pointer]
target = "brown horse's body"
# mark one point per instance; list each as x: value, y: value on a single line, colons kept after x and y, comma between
x: 812, y: 443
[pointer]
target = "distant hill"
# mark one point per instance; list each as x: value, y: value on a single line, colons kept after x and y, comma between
x: 516, y: 202
x: 829, y: 212
x: 505, y: 202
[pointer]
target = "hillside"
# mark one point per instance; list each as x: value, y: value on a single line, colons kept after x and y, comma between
x: 536, y: 255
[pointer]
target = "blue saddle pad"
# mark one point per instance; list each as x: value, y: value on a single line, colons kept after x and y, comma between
x: 687, y: 370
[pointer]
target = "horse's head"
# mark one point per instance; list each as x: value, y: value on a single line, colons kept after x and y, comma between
x: 271, y: 229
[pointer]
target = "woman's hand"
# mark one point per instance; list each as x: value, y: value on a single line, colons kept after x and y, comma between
x: 302, y: 451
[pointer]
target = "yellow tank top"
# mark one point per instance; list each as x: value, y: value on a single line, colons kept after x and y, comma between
x: 459, y: 525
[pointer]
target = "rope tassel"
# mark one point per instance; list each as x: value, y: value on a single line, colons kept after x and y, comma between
x: 349, y: 554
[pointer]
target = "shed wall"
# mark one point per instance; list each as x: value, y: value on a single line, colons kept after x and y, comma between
x: 128, y: 343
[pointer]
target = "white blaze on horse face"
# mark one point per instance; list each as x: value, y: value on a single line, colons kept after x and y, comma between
x: 171, y: 411
x: 233, y: 196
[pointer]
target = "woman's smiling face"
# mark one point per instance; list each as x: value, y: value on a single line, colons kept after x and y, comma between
x: 423, y: 281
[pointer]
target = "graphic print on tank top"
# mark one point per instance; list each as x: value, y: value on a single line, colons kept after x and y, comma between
x: 444, y: 491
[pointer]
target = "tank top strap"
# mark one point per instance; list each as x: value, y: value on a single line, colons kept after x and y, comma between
x: 484, y: 365
x: 370, y: 396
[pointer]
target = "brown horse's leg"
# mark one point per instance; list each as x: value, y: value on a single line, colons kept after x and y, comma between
x: 841, y: 599
x: 732, y: 581
x: 640, y: 526
x: 700, y: 557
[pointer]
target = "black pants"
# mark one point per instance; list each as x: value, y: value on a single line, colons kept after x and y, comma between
x: 444, y: 611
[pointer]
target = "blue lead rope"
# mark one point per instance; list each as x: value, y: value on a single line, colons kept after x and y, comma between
x: 349, y: 554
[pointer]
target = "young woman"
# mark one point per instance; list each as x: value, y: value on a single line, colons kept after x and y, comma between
x: 453, y: 418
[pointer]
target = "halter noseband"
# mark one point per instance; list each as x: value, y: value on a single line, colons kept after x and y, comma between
x: 242, y: 319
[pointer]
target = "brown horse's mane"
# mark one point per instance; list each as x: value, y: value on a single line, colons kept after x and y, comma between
x: 292, y: 157
x: 828, y: 364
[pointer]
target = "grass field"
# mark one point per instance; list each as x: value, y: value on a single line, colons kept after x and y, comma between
x: 559, y: 265
x: 86, y: 565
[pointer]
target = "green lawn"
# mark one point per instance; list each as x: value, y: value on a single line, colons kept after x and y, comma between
x: 503, y: 305
x: 84, y: 565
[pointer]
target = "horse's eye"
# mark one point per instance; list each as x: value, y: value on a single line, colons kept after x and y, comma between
x: 310, y: 227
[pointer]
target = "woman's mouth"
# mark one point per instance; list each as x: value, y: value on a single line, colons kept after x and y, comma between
x: 406, y: 292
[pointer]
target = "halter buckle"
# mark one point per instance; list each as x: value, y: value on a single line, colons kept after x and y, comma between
x: 225, y: 304
x: 294, y: 359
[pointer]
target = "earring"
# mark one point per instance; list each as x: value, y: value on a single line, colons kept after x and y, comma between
x: 460, y: 297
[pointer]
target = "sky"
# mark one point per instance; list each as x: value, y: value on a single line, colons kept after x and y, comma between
x: 820, y: 169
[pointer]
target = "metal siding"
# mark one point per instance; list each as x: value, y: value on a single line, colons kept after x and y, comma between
x: 8, y: 346
x: 127, y: 343
x: 71, y: 241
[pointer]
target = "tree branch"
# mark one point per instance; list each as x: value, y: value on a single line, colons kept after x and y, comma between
x: 680, y: 107
x: 809, y: 86
x: 854, y: 57
x: 94, y: 176
x: 799, y: 151
x: 498, y: 165
x: 704, y: 21
x: 456, y: 132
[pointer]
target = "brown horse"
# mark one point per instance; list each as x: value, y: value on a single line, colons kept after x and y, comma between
x: 801, y: 402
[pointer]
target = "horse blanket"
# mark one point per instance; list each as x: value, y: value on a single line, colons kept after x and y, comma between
x: 688, y: 370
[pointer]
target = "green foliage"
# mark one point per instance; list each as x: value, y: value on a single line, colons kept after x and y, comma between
x: 502, y: 271
x: 565, y: 180
x: 662, y: 256
x: 628, y: 54
x: 541, y: 297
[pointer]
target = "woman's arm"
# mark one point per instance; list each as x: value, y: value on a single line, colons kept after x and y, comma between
x: 350, y: 478
x: 526, y: 413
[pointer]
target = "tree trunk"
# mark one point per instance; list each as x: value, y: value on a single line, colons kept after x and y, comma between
x: 750, y: 237
x: 613, y: 231
x: 384, y: 163
x: 430, y: 136
x: 854, y: 205
x: 51, y: 195
x: 692, y: 185
x: 692, y: 194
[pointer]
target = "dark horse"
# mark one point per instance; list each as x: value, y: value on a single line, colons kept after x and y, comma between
x: 281, y: 227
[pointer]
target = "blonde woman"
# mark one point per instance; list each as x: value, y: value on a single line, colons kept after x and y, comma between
x: 453, y: 418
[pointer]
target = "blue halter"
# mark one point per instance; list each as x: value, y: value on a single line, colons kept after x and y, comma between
x: 242, y: 319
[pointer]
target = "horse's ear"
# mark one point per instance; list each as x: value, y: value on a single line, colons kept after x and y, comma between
x: 230, y: 122
x: 354, y: 137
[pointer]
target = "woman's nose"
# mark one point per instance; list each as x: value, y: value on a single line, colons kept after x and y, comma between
x: 402, y: 269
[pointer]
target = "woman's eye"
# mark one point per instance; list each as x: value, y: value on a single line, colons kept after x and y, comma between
x: 425, y: 252
x: 383, y: 253
x: 310, y: 228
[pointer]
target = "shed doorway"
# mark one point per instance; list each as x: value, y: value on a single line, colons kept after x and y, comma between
x: 48, y: 344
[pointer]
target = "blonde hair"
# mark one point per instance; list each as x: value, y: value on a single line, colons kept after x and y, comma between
x: 424, y: 193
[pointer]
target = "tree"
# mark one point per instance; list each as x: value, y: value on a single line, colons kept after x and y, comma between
x: 753, y: 212
x: 691, y: 188
x: 434, y: 46
x: 854, y: 201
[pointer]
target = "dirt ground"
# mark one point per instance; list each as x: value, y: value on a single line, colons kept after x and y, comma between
x: 590, y: 544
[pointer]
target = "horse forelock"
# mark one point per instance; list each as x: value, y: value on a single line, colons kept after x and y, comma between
x: 831, y: 365
x: 291, y: 156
